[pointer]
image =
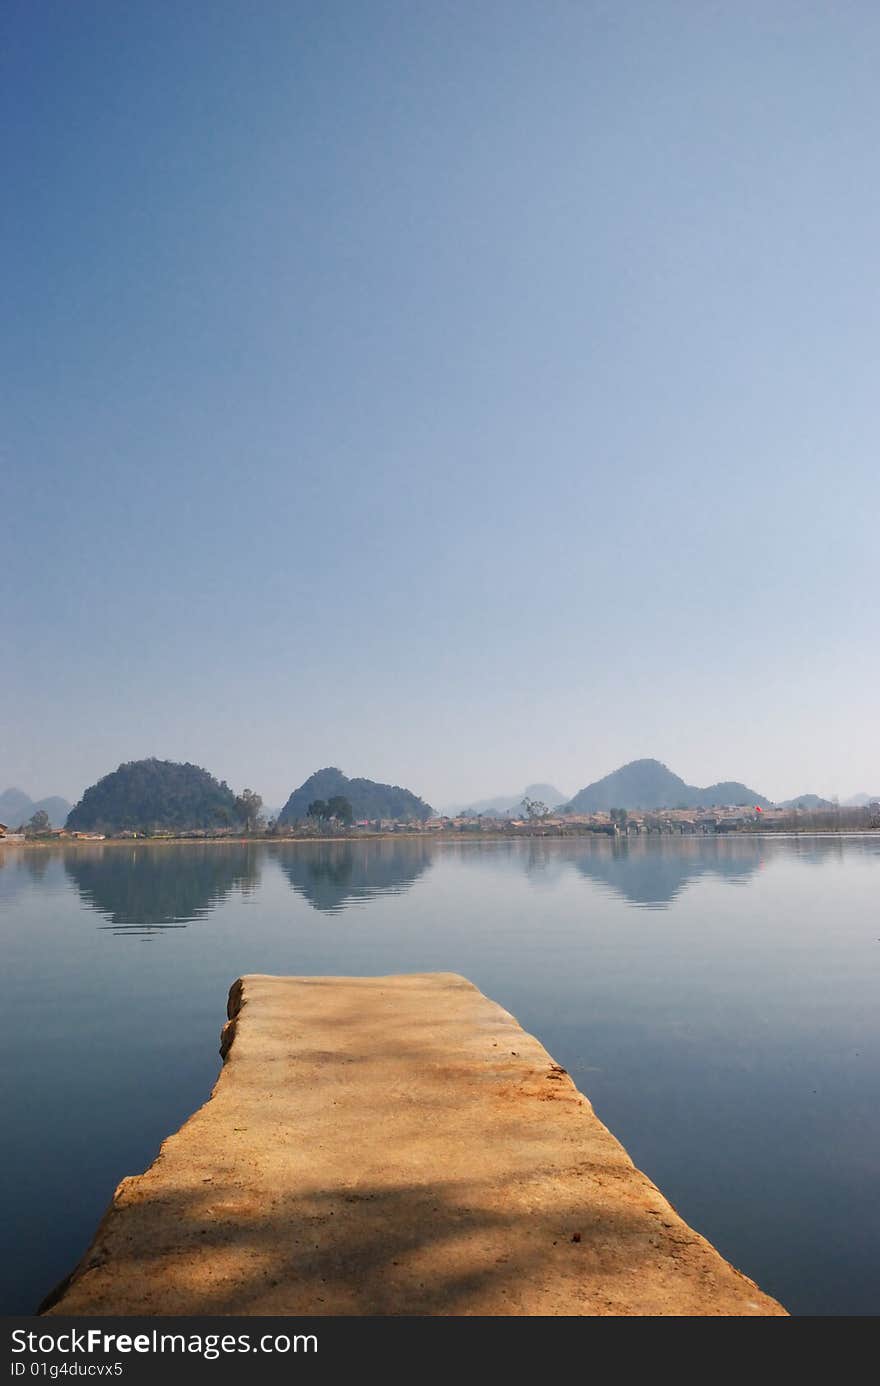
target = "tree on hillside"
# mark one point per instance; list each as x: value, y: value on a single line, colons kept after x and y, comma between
x: 368, y: 798
x: 248, y: 805
x: 317, y: 809
x: 339, y: 808
x: 39, y: 823
x: 534, y: 809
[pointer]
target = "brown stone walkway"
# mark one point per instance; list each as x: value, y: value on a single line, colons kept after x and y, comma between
x: 394, y: 1145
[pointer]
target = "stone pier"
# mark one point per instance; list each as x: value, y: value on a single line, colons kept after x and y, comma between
x: 387, y: 1146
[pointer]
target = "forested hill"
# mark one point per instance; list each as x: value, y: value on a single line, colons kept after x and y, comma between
x: 151, y: 794
x: 648, y: 784
x: 368, y: 798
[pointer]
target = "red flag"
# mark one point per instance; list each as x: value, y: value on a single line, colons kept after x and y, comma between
x: 758, y: 808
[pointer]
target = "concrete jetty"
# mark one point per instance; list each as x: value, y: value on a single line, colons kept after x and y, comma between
x: 388, y: 1146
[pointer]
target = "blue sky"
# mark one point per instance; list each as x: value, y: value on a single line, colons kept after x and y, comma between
x: 463, y: 394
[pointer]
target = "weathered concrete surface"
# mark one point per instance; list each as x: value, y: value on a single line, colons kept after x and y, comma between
x: 394, y: 1145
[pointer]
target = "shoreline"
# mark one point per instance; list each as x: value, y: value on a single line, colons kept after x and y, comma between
x: 269, y: 840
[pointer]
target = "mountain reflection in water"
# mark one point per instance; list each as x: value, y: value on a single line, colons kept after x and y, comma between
x: 143, y: 889
x: 652, y: 872
x: 335, y: 875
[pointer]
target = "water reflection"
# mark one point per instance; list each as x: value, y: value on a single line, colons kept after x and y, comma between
x: 335, y: 875
x: 20, y: 868
x: 647, y: 872
x: 652, y: 872
x: 37, y: 864
x: 142, y: 890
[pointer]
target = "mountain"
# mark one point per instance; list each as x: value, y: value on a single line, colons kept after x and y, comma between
x: 144, y: 794
x: 649, y: 784
x: 368, y: 799
x: 807, y: 801
x: 16, y: 808
x: 861, y: 800
x: 508, y: 803
x: 497, y: 806
x: 57, y: 809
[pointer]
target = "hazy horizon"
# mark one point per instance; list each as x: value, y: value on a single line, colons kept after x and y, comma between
x: 277, y: 801
x: 462, y: 395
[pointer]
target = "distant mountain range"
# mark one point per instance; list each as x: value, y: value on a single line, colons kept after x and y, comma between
x: 16, y: 808
x: 368, y: 798
x: 504, y: 805
x: 164, y: 794
x: 807, y: 801
x: 649, y: 784
x: 815, y: 801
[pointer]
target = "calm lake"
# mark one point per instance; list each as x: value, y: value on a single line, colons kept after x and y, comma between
x: 715, y: 999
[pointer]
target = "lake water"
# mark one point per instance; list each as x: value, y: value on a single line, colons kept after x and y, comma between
x: 715, y: 999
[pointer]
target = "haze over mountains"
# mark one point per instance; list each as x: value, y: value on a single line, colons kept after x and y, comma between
x: 644, y: 784
x: 169, y: 795
x: 649, y: 784
x: 16, y: 808
x: 507, y: 805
